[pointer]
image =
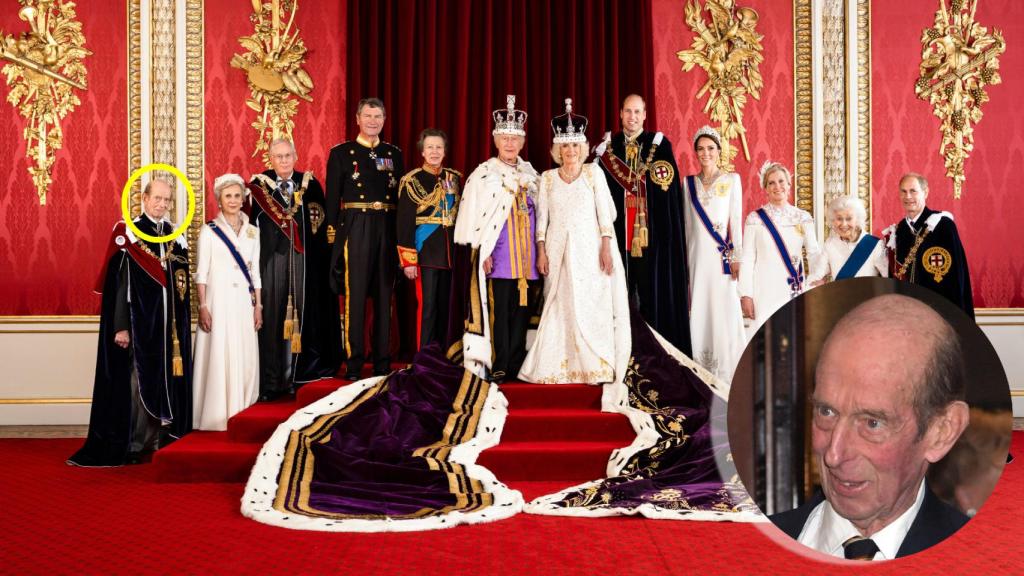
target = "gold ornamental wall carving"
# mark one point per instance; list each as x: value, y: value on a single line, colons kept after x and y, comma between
x: 959, y: 58
x: 728, y: 48
x: 273, y: 65
x: 44, y: 66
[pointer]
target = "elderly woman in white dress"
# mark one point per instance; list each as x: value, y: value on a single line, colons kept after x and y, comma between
x: 713, y: 212
x: 850, y: 252
x: 584, y: 332
x: 226, y: 359
x: 776, y: 239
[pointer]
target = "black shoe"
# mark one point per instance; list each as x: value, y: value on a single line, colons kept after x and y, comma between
x: 353, y: 376
x: 291, y: 390
x: 498, y: 376
x: 269, y: 396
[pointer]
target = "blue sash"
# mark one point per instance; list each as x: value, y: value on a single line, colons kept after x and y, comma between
x: 725, y: 247
x: 858, y: 257
x: 238, y: 258
x: 423, y: 231
x: 796, y: 277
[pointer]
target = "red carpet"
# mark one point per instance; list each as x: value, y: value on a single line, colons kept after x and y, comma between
x: 555, y: 433
x: 59, y: 519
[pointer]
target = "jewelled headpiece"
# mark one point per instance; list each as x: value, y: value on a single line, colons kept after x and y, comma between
x: 767, y: 167
x: 569, y: 127
x: 710, y: 133
x: 509, y: 121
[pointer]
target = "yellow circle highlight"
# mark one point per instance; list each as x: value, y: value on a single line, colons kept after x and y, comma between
x: 188, y: 214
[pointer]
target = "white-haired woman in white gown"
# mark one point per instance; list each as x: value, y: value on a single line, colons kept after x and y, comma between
x: 850, y: 252
x: 773, y: 264
x: 226, y: 362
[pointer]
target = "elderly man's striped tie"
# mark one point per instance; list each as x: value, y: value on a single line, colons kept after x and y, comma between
x: 860, y: 548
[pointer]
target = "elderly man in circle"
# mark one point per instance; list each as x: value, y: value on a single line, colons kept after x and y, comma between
x: 877, y: 427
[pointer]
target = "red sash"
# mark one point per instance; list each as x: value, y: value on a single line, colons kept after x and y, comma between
x: 119, y: 241
x: 276, y: 214
x: 616, y: 167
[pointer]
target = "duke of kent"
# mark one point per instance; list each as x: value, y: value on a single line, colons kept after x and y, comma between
x: 428, y: 201
x: 644, y: 182
x: 142, y: 394
x: 362, y: 198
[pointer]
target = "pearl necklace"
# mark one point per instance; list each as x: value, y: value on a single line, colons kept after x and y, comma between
x: 569, y: 179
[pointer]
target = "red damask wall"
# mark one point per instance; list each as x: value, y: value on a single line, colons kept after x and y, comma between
x: 50, y: 255
x: 319, y: 125
x: 769, y: 121
x: 905, y: 136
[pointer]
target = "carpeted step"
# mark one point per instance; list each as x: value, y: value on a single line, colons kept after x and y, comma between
x: 519, y: 394
x: 314, y: 391
x: 205, y: 457
x: 572, y: 462
x: 566, y: 425
x: 211, y: 457
x: 524, y: 396
x: 258, y: 422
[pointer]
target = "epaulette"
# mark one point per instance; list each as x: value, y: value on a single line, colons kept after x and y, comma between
x: 408, y: 176
x: 339, y: 144
x: 456, y: 172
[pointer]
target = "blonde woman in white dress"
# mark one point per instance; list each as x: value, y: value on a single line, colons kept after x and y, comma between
x: 772, y: 274
x: 584, y: 332
x: 850, y: 252
x: 713, y: 213
x: 226, y: 360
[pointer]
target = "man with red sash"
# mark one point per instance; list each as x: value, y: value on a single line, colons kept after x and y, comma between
x: 142, y: 393
x: 301, y: 336
x: 644, y: 182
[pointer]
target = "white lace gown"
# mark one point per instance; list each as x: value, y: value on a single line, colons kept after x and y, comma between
x: 716, y: 320
x: 584, y: 332
x: 763, y: 275
x: 226, y: 361
x: 837, y: 251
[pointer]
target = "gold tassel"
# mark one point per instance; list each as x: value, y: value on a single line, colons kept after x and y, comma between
x: 177, y: 365
x: 522, y: 291
x: 289, y: 326
x: 643, y: 230
x: 296, y: 333
x: 635, y: 250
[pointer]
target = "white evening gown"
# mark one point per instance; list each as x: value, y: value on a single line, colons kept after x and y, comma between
x: 716, y: 320
x: 836, y: 252
x: 584, y: 332
x: 226, y: 361
x: 763, y: 275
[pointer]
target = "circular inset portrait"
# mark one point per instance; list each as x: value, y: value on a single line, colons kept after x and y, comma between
x: 869, y: 419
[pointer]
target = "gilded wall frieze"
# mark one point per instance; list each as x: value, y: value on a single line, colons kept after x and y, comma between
x: 959, y: 59
x: 728, y: 48
x: 44, y: 67
x: 273, y: 66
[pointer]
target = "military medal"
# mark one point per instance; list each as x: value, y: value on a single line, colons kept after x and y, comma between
x: 355, y: 170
